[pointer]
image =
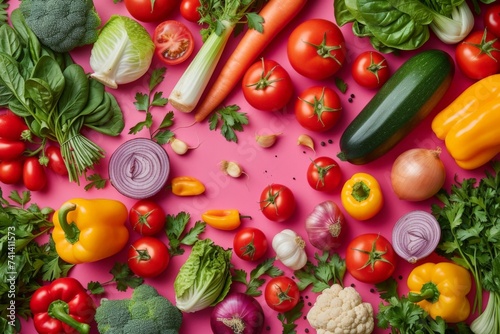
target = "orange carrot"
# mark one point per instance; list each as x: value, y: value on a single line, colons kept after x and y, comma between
x: 276, y: 15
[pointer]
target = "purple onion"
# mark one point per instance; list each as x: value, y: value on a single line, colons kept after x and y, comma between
x: 238, y: 313
x: 415, y: 235
x: 325, y: 226
x: 139, y: 168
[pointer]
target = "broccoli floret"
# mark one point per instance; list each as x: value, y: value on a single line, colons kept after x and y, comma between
x: 146, y: 312
x: 62, y: 25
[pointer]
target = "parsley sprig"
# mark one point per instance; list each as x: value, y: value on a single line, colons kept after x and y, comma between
x: 122, y: 276
x: 255, y: 280
x: 175, y: 230
x: 328, y: 270
x: 288, y: 318
x: 230, y: 120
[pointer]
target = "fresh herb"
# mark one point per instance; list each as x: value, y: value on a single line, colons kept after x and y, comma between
x: 328, y: 270
x: 288, y: 318
x: 255, y: 280
x: 174, y: 229
x: 123, y: 277
x: 24, y: 262
x: 341, y: 85
x: 95, y: 181
x: 470, y: 236
x: 229, y: 120
x: 4, y: 5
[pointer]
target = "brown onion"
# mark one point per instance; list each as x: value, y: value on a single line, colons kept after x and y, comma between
x: 139, y: 168
x: 415, y: 235
x: 418, y: 174
x: 325, y: 226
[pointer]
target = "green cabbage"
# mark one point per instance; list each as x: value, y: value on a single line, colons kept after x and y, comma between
x: 122, y: 53
x: 204, y: 280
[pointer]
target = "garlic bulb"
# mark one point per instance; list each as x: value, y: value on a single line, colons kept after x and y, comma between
x: 289, y: 248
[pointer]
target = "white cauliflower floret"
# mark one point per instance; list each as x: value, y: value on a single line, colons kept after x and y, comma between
x: 340, y: 310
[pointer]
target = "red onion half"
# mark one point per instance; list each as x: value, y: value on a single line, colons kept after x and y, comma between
x: 238, y: 313
x: 416, y: 235
x: 325, y: 226
x: 139, y: 168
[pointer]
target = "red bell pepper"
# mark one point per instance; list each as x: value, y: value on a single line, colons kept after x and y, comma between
x: 64, y: 306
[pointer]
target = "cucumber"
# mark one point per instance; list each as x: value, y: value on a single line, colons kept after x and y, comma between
x: 399, y: 106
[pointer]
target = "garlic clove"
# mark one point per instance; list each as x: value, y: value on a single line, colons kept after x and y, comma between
x: 266, y: 140
x: 307, y: 141
x: 231, y: 168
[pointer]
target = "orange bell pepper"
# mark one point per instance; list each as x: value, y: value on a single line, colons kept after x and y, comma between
x: 361, y: 196
x: 187, y: 186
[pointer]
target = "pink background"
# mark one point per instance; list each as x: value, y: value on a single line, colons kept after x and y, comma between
x: 284, y: 163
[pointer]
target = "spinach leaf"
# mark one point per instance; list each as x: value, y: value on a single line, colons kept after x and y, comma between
x: 75, y: 94
x: 9, y: 42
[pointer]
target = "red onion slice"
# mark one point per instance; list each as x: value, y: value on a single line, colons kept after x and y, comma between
x: 415, y: 235
x: 139, y: 168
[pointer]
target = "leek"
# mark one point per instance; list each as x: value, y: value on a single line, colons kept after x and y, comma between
x: 455, y: 29
x: 222, y: 17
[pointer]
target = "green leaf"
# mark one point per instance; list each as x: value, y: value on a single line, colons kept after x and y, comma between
x: 175, y: 226
x: 328, y: 270
x: 341, y: 84
x: 124, y: 277
x: 95, y: 181
x: 230, y: 120
x: 141, y: 102
x: 95, y: 288
x: 163, y: 137
x: 159, y: 100
x: 289, y: 318
x: 167, y: 121
x: 157, y: 77
x: 255, y: 280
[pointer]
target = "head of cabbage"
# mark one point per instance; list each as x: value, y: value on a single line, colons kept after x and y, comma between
x: 122, y: 53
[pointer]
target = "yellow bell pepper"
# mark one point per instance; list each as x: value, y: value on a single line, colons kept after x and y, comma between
x: 361, y: 196
x: 90, y: 230
x: 187, y: 186
x: 470, y: 100
x: 441, y: 289
x: 474, y: 140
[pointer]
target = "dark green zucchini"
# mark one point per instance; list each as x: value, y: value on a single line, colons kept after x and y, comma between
x: 399, y: 106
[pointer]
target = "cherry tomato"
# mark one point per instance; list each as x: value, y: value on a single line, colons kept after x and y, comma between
x: 370, y: 258
x: 478, y: 55
x: 174, y: 42
x: 370, y: 69
x: 148, y: 257
x: 250, y: 244
x: 34, y: 176
x: 147, y: 217
x: 277, y: 202
x: 316, y: 49
x: 318, y: 108
x: 11, y: 149
x: 11, y: 172
x: 281, y: 293
x: 56, y: 161
x: 11, y: 126
x: 150, y: 11
x: 324, y: 174
x: 491, y: 19
x: 267, y: 85
x: 189, y: 10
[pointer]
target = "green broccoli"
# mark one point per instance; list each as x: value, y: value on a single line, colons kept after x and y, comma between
x: 62, y: 25
x: 145, y: 312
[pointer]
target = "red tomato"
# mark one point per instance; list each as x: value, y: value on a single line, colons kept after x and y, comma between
x: 370, y: 258
x: 11, y: 149
x: 150, y: 11
x: 189, y: 10
x: 174, y: 42
x: 282, y: 294
x: 147, y: 217
x: 148, y: 257
x: 250, y: 244
x: 316, y: 49
x: 324, y: 174
x: 492, y: 19
x: 267, y: 85
x: 11, y: 126
x: 478, y: 55
x: 277, y: 202
x: 34, y: 177
x: 56, y: 161
x: 370, y: 69
x: 11, y: 172
x: 318, y: 108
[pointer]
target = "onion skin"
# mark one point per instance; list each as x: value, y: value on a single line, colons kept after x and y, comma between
x: 415, y: 235
x: 418, y: 174
x: 239, y: 310
x: 139, y: 168
x: 325, y: 226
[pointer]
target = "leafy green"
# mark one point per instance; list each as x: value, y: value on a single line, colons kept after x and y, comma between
x: 288, y: 318
x: 4, y: 5
x: 123, y: 277
x: 95, y: 181
x: 255, y: 280
x: 174, y: 229
x: 229, y: 120
x: 328, y: 270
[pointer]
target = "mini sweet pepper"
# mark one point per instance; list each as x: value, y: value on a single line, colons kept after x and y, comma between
x: 361, y: 196
x: 64, y: 306
x: 187, y: 186
x: 90, y: 230
x: 441, y: 289
x: 221, y: 219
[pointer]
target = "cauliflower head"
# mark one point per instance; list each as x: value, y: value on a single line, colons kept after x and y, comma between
x: 339, y: 310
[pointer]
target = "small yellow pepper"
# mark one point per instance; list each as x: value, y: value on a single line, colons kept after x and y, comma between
x: 90, y: 230
x: 361, y: 196
x: 226, y: 220
x: 441, y: 289
x: 187, y: 186
x: 470, y: 100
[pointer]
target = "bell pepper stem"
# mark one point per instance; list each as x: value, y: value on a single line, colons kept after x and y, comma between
x: 71, y: 231
x: 428, y: 292
x: 60, y: 310
x: 360, y: 191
